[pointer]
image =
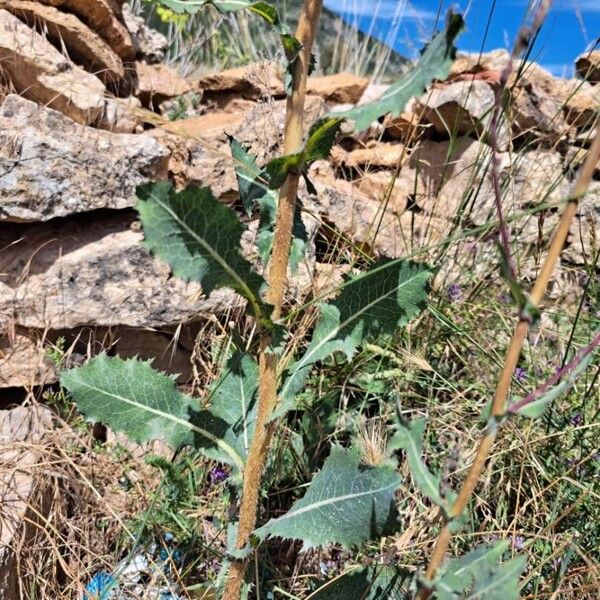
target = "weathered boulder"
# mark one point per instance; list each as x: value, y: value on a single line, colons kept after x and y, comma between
x: 194, y: 161
x: 51, y: 166
x: 341, y: 88
x: 395, y: 190
x: 149, y: 45
x: 38, y: 71
x: 253, y: 82
x: 578, y: 100
x: 373, y: 154
x: 380, y: 227
x: 156, y: 83
x: 24, y: 362
x: 588, y: 66
x: 93, y: 271
x: 27, y: 493
x: 101, y: 16
x: 496, y: 60
x: 84, y: 46
x: 461, y: 108
x: 456, y: 177
x: 261, y: 129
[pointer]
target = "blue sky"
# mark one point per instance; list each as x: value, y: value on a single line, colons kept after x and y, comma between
x: 572, y: 25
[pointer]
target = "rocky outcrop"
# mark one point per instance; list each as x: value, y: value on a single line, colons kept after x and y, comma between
x: 40, y: 72
x: 73, y: 258
x: 93, y: 272
x: 149, y: 45
x: 588, y: 66
x: 156, y: 83
x: 86, y: 47
x: 52, y: 167
x: 341, y: 88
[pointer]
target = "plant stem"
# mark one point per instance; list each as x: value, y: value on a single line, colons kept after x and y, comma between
x: 499, y: 404
x: 268, y: 362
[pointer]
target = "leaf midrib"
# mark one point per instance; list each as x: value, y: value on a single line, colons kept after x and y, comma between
x: 217, y: 441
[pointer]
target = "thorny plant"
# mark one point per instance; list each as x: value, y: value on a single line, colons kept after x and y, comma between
x: 351, y: 500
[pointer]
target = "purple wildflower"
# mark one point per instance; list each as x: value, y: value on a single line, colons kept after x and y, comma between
x: 576, y: 420
x: 454, y: 292
x: 518, y: 542
x: 217, y: 474
x: 520, y: 374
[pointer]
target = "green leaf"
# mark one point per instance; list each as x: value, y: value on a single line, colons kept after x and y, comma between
x: 481, y: 576
x: 379, y: 582
x: 253, y: 191
x: 321, y: 138
x: 252, y: 182
x: 535, y: 409
x: 409, y: 437
x: 130, y: 396
x: 279, y: 168
x: 200, y: 239
x: 380, y: 300
x: 346, y: 503
x: 233, y: 397
x: 435, y: 63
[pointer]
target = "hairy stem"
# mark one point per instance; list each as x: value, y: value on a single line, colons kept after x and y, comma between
x: 268, y: 362
x: 499, y: 404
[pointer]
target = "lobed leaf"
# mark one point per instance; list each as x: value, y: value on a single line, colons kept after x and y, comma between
x: 233, y: 398
x: 380, y: 300
x: 481, y: 575
x: 130, y: 396
x: 435, y: 63
x: 346, y: 503
x: 408, y: 437
x: 200, y: 239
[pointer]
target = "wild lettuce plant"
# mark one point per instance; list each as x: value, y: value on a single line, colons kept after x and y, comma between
x: 347, y: 502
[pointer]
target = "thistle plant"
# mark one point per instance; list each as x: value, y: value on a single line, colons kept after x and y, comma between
x: 348, y: 502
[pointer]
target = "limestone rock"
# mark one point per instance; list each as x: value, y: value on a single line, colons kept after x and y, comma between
x: 262, y: 128
x: 373, y: 154
x: 192, y: 161
x: 149, y: 45
x: 94, y: 271
x: 157, y: 83
x: 211, y: 126
x: 100, y: 15
x: 24, y: 362
x: 26, y: 492
x: 463, y: 107
x: 51, y: 167
x: 588, y: 66
x: 476, y: 63
x: 341, y: 88
x: 84, y: 46
x: 393, y: 232
x: 40, y: 72
x: 395, y: 191
x: 578, y: 100
x: 253, y: 82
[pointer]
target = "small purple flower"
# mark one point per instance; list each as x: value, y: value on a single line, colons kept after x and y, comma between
x: 576, y: 420
x: 518, y: 542
x: 454, y: 292
x: 520, y: 374
x: 217, y: 475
